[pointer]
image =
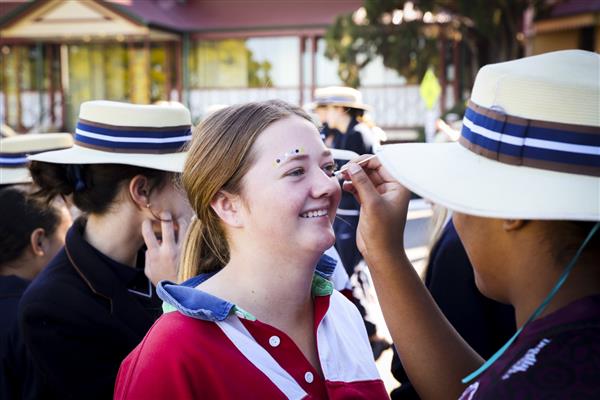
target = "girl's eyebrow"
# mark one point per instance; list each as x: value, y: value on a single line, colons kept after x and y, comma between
x: 325, y: 153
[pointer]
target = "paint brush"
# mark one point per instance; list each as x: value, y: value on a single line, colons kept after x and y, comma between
x: 338, y: 174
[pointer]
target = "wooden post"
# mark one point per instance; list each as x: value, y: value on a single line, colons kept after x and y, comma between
x: 443, y: 81
x: 457, y: 71
x: 50, y: 75
x: 5, y: 85
x: 64, y: 84
x: 148, y: 68
x: 18, y: 72
x: 313, y: 66
x: 301, y: 69
x: 39, y: 80
x: 168, y: 69
x: 178, y: 79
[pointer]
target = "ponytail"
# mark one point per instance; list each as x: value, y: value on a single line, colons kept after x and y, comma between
x: 205, y: 250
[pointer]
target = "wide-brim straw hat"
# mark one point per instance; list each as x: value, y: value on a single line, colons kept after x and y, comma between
x: 529, y: 146
x: 15, y: 149
x: 338, y: 96
x: 109, y: 132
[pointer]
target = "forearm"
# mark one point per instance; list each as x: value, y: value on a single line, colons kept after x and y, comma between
x: 433, y: 354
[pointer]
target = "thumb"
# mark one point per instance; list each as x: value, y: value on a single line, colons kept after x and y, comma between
x: 362, y: 184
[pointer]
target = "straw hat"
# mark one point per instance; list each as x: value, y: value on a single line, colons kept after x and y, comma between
x: 15, y: 149
x: 529, y: 146
x: 338, y: 96
x: 110, y: 132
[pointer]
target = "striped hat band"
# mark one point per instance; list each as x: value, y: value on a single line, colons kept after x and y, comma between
x: 538, y: 144
x: 335, y: 99
x: 13, y: 160
x: 132, y: 139
x: 19, y: 160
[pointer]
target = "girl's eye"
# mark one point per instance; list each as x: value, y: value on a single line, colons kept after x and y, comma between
x: 296, y: 172
x: 330, y: 169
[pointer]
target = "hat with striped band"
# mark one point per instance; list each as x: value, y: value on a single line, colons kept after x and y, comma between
x: 529, y: 146
x: 15, y: 149
x: 341, y: 96
x: 109, y: 132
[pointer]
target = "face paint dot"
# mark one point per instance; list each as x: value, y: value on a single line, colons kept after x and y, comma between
x: 278, y: 161
x: 297, y: 151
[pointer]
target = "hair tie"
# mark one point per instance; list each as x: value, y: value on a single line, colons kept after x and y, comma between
x: 75, y: 177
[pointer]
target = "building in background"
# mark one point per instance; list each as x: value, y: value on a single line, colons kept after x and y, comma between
x: 571, y: 24
x: 56, y: 54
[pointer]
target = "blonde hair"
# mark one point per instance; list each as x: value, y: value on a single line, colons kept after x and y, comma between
x: 219, y: 155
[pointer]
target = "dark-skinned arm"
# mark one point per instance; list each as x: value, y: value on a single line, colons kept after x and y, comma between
x: 433, y: 354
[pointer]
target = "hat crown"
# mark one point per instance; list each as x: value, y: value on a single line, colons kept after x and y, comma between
x: 35, y: 142
x: 334, y: 94
x: 133, y: 128
x: 138, y: 115
x: 561, y: 87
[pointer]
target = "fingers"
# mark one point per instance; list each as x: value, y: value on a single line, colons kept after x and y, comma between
x: 148, y: 235
x: 184, y: 223
x: 166, y: 227
x: 362, y: 184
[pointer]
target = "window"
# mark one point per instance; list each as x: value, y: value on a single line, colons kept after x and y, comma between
x: 245, y: 63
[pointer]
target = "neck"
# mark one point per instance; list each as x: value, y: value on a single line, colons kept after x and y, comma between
x: 583, y: 281
x: 24, y: 267
x: 112, y: 237
x: 257, y: 280
x: 344, y: 123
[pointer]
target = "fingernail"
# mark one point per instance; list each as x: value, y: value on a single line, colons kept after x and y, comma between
x: 353, y: 168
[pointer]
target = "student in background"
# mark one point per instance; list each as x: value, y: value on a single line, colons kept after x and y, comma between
x: 96, y: 299
x: 31, y: 233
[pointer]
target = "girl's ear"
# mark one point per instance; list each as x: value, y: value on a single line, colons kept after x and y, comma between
x: 227, y: 207
x: 513, y: 224
x: 37, y: 242
x: 139, y: 191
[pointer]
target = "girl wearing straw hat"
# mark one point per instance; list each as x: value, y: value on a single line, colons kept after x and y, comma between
x: 31, y: 233
x: 524, y: 181
x: 259, y: 322
x: 96, y: 299
x: 344, y: 113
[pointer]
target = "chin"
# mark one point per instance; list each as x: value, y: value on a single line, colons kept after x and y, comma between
x: 327, y: 242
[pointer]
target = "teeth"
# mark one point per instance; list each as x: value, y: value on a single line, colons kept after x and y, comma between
x: 314, y: 214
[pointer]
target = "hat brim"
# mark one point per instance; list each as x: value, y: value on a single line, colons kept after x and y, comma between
x: 172, y: 162
x: 11, y: 176
x: 454, y: 177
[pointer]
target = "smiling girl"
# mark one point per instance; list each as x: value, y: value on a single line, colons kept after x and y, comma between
x: 258, y: 321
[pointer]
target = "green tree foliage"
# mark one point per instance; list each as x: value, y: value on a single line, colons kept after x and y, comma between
x: 489, y: 29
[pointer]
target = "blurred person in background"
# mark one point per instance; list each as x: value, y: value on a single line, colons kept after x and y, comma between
x: 31, y: 233
x: 95, y: 301
x: 343, y: 112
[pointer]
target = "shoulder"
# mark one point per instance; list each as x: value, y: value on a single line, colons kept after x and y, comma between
x: 564, y: 364
x: 58, y: 292
x: 175, y: 338
x: 172, y: 360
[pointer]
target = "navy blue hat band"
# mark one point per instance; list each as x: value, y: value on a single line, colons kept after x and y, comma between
x: 537, y: 144
x: 13, y: 160
x: 120, y: 139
